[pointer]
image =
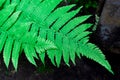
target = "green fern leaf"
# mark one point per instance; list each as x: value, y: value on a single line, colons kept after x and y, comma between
x: 59, y: 54
x: 1, y: 2
x: 3, y: 37
x: 29, y: 56
x: 10, y: 21
x: 15, y: 36
x: 7, y: 2
x: 42, y: 57
x: 15, y: 53
x: 6, y: 12
x: 38, y: 26
x: 15, y: 1
x: 57, y: 13
x: 7, y: 50
x: 91, y: 51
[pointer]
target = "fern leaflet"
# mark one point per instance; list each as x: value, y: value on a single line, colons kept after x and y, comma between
x: 38, y: 26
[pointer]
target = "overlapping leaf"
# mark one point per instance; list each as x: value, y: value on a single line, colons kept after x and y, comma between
x: 16, y: 35
x: 38, y: 25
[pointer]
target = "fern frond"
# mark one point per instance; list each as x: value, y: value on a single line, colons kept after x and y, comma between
x: 93, y: 52
x: 15, y: 53
x: 38, y: 26
x: 15, y: 35
x: 6, y: 12
x: 1, y: 2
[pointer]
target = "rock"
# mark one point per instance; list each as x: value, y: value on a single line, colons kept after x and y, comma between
x: 111, y: 13
x: 109, y: 26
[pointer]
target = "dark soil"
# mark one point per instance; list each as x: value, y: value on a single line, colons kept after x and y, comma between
x: 85, y: 69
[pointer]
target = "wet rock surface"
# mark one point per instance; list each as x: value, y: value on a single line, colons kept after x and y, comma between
x: 108, y: 30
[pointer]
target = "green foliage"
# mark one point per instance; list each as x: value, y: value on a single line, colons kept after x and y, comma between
x: 38, y: 27
x: 96, y: 22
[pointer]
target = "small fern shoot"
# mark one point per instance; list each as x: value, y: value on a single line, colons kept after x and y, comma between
x: 39, y: 26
